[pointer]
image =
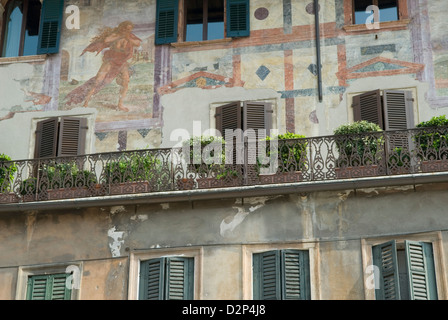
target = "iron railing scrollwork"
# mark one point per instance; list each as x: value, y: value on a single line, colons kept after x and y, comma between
x: 323, y: 158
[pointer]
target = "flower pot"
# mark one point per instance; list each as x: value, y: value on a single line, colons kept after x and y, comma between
x: 67, y: 193
x: 185, y: 184
x: 8, y: 197
x: 130, y: 187
x: 281, y: 177
x: 208, y: 183
x: 434, y: 165
x: 356, y: 172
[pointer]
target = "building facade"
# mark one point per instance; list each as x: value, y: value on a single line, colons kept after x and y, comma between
x: 97, y: 94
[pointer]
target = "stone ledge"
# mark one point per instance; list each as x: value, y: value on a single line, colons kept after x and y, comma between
x: 23, y: 59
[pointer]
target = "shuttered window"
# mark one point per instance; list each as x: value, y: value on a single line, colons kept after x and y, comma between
x: 31, y: 27
x: 167, y: 279
x: 50, y: 26
x: 48, y: 287
x: 281, y: 275
x: 238, y: 18
x: 390, y: 109
x: 243, y: 116
x: 169, y: 15
x: 416, y: 282
x: 166, y: 26
x: 60, y: 137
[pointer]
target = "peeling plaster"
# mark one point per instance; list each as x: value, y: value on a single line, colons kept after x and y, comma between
x: 117, y: 209
x: 231, y: 222
x: 117, y: 237
x: 140, y: 217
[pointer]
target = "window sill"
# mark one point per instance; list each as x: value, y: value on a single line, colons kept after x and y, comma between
x: 200, y: 43
x: 23, y: 59
x: 384, y: 26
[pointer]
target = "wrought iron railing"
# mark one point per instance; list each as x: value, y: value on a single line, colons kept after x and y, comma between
x: 265, y: 162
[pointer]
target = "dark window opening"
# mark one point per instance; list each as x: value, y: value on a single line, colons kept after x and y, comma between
x: 204, y: 20
x: 21, y: 28
x: 388, y: 10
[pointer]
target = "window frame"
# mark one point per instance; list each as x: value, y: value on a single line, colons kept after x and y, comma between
x: 375, y: 3
x: 179, y: 38
x: 22, y: 32
x: 50, y: 20
x: 182, y: 30
x: 349, y: 19
x: 87, y: 119
x: 247, y: 265
x: 45, y: 270
x: 435, y: 238
x: 137, y: 257
x: 409, y: 93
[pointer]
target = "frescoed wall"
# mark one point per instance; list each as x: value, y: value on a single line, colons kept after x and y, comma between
x: 140, y: 91
x: 108, y: 63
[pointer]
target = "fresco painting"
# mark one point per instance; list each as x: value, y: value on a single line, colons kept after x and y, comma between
x: 118, y: 58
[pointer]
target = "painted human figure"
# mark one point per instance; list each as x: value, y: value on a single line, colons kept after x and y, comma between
x: 120, y: 42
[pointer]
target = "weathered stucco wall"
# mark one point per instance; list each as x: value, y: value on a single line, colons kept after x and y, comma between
x: 334, y: 223
x: 171, y: 86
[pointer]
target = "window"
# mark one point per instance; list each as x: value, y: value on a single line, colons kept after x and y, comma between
x: 390, y: 109
x: 243, y: 116
x: 204, y: 20
x: 167, y: 279
x: 405, y: 271
x: 60, y: 137
x: 281, y: 275
x: 199, y: 20
x: 48, y: 287
x: 49, y: 282
x: 30, y: 27
x: 388, y: 10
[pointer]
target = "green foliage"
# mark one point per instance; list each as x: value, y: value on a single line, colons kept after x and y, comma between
x: 132, y: 167
x: 7, y: 171
x: 398, y: 158
x: 55, y: 176
x: 291, y: 152
x: 433, y: 141
x: 357, y: 144
x: 201, y: 153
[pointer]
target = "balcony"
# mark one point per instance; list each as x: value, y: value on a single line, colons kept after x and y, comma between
x: 289, y: 162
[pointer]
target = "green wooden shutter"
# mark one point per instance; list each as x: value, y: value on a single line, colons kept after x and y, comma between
x: 267, y: 276
x: 59, y: 290
x: 72, y: 136
x: 368, y: 106
x: 50, y: 26
x: 152, y: 274
x: 46, y: 138
x: 398, y: 110
x: 295, y: 275
x: 179, y: 279
x: 238, y: 22
x: 421, y: 272
x: 167, y: 279
x: 166, y: 24
x: 385, y: 258
x: 48, y: 287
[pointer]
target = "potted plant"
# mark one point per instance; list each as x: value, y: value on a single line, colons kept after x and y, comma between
x: 291, y: 155
x: 7, y: 171
x: 134, y: 172
x: 360, y: 147
x: 205, y: 165
x: 431, y: 141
